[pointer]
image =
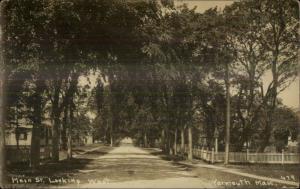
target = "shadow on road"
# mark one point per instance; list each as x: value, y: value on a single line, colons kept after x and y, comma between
x: 164, y: 156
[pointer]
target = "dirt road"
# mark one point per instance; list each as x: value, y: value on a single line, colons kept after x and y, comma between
x: 129, y: 166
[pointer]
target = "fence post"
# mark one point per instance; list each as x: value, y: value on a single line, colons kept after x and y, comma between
x: 282, y: 156
x: 212, y: 155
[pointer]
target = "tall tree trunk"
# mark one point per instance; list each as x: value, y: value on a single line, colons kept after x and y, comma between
x: 17, y: 133
x: 104, y: 137
x: 111, y: 140
x: 111, y: 133
x: 71, y: 107
x: 175, y: 142
x: 47, y: 137
x: 2, y: 113
x: 182, y: 141
x: 69, y: 133
x: 168, y: 145
x: 106, y: 132
x: 267, y: 134
x: 37, y: 123
x: 64, y: 132
x: 298, y: 138
x: 227, y: 130
x: 110, y: 118
x: 69, y: 144
x: 145, y: 139
x: 266, y: 137
x: 163, y: 140
x: 55, y: 140
x: 56, y: 126
x: 190, y: 153
x: 170, y: 149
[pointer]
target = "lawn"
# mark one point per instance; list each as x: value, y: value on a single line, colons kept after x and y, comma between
x: 22, y: 175
x: 228, y: 180
x: 283, y: 172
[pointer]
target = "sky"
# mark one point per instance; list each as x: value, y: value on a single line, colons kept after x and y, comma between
x: 290, y: 96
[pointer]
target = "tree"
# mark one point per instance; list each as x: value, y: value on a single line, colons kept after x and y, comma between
x: 285, y: 125
x: 29, y: 58
x: 280, y: 40
x: 174, y: 74
x: 2, y: 105
x: 265, y: 44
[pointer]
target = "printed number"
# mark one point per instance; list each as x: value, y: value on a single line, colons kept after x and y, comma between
x: 290, y: 177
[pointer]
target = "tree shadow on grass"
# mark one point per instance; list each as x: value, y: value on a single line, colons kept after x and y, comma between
x: 50, y: 168
x: 47, y: 173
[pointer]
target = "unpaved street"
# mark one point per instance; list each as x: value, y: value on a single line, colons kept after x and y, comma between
x: 129, y: 166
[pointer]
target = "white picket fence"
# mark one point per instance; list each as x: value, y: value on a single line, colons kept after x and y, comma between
x: 244, y: 157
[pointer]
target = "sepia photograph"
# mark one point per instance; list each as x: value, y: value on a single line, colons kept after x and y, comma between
x: 149, y: 94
